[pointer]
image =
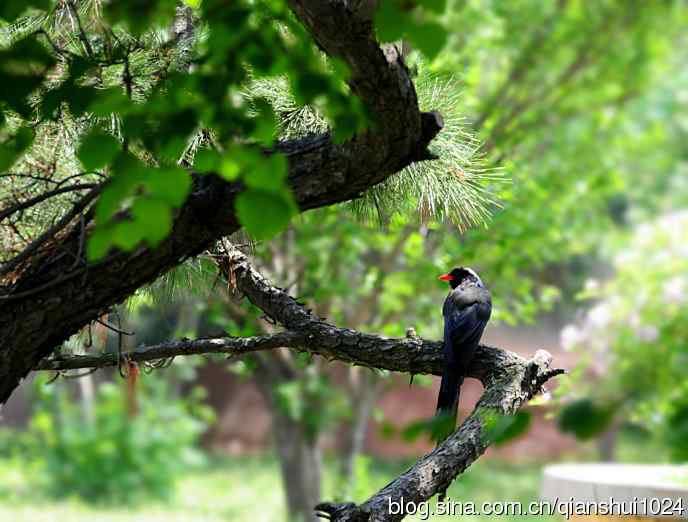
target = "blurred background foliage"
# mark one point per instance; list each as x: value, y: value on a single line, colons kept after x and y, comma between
x: 562, y: 178
x: 111, y: 451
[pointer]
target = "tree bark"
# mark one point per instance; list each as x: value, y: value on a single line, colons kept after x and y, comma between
x: 56, y: 291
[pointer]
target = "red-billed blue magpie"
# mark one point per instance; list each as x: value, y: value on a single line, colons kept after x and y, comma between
x: 466, y: 311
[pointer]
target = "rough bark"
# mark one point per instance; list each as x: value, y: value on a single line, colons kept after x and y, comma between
x: 232, y: 346
x: 509, y: 380
x: 305, y: 332
x: 57, y: 292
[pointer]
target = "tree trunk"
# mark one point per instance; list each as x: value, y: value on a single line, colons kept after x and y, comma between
x: 296, y: 447
x: 300, y: 464
x: 363, y: 394
x: 606, y: 444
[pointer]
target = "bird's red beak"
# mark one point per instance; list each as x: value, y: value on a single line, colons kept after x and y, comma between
x: 446, y: 277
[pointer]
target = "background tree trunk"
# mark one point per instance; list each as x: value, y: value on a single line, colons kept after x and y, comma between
x: 364, y: 390
x: 300, y: 466
x: 296, y: 445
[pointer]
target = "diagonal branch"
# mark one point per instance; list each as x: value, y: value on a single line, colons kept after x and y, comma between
x: 23, y: 205
x: 510, y: 382
x: 506, y: 391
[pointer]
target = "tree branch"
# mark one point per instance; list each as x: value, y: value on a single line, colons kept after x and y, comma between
x: 510, y: 381
x: 231, y: 346
x: 23, y: 205
x: 59, y: 296
x: 506, y: 390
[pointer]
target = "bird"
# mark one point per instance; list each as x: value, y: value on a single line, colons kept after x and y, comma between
x: 466, y: 311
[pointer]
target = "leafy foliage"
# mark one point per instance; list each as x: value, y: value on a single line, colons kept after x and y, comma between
x: 563, y: 95
x: 115, y: 458
x: 585, y: 419
x: 396, y: 20
x: 457, y: 187
x: 634, y: 333
x: 133, y: 98
x: 500, y: 429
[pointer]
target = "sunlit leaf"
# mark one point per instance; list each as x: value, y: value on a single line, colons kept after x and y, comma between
x: 428, y: 37
x: 264, y: 213
x: 391, y: 21
x: 153, y: 218
x: 168, y: 184
x: 97, y: 150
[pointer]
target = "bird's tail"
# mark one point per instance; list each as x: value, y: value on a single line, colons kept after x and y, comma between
x: 448, y: 402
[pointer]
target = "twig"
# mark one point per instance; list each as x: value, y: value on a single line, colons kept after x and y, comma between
x: 42, y: 197
x: 50, y: 233
x: 114, y: 328
x: 82, y: 33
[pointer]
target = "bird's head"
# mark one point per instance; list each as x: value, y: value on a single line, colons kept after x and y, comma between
x: 461, y: 274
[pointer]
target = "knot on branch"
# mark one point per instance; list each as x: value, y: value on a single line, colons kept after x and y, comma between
x: 538, y: 372
x: 431, y: 123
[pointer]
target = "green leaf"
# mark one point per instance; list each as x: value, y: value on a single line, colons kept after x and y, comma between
x: 97, y: 150
x: 263, y: 213
x: 428, y: 37
x: 99, y: 243
x: 11, y: 9
x: 109, y: 101
x: 308, y: 85
x: 229, y: 168
x: 168, y: 184
x: 266, y: 123
x: 500, y: 429
x: 153, y: 218
x: 435, y: 6
x: 14, y: 147
x: 22, y: 70
x: 391, y: 21
x: 207, y: 161
x: 126, y: 235
x: 438, y: 427
x: 387, y: 430
x: 585, y: 419
x: 127, y: 175
x: 268, y: 173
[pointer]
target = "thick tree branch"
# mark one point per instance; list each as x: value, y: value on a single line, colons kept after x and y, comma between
x: 55, y: 292
x: 510, y: 381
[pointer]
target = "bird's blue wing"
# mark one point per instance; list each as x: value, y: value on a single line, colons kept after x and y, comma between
x: 462, y: 331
